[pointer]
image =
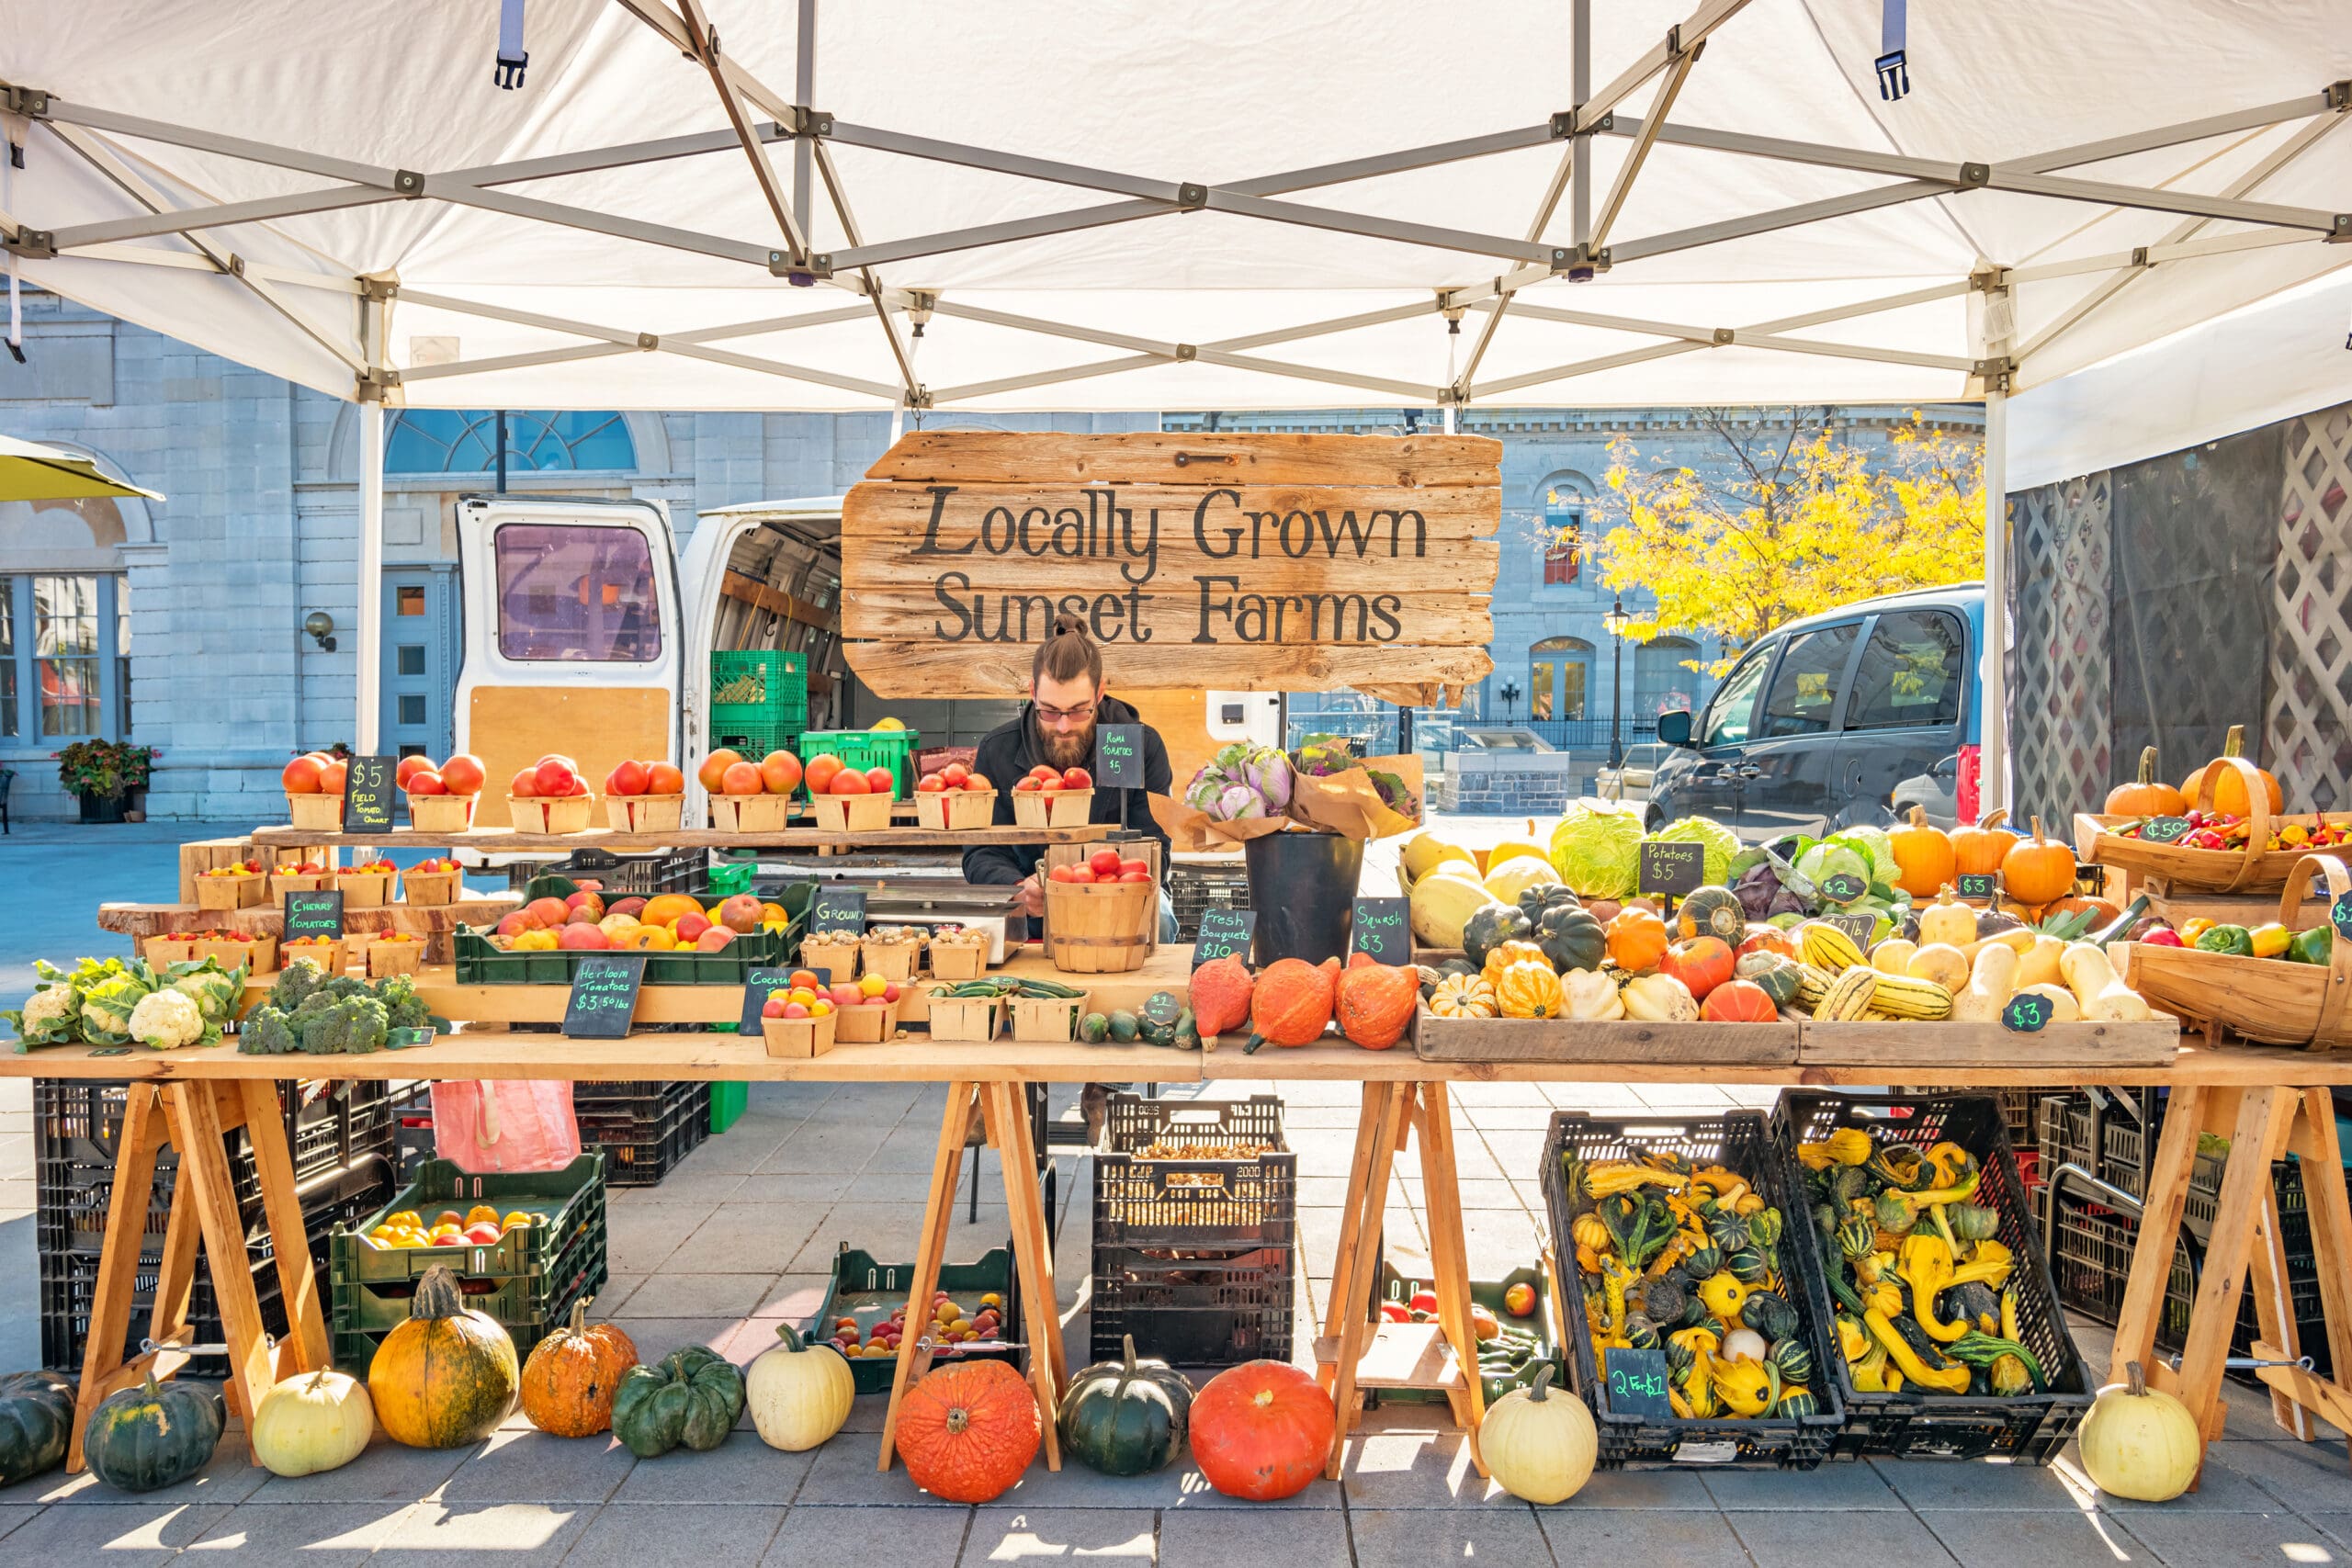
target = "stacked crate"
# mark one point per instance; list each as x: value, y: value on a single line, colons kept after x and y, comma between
x: 759, y: 700
x: 642, y: 1129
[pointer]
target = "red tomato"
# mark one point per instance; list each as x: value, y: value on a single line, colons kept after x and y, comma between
x: 1103, y: 862
x: 425, y: 781
x: 1081, y: 873
x: 821, y: 770
x: 410, y: 767
x: 330, y: 778
x: 301, y: 776
x: 462, y: 773
x: 929, y: 783
x: 1126, y: 866
x: 979, y: 784
x: 662, y: 778
x: 849, y: 781
x: 1024, y: 784
x: 1041, y: 772
x: 880, y: 780
x: 1134, y: 876
x: 1049, y: 786
x: 954, y: 774
x: 1060, y: 874
x: 1078, y: 778
x: 630, y: 778
x: 555, y: 777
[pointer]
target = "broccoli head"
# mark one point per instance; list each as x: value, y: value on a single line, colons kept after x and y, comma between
x: 352, y: 1027
x: 267, y: 1032
x: 342, y: 987
x: 403, y: 1006
x: 295, y: 984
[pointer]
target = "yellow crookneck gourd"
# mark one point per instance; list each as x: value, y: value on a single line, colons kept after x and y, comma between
x: 1746, y: 1386
x: 1928, y: 1267
x: 1950, y: 1380
x: 1847, y: 1145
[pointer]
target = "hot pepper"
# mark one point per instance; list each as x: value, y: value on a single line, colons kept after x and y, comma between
x: 2312, y: 946
x: 2234, y: 941
x: 2268, y: 940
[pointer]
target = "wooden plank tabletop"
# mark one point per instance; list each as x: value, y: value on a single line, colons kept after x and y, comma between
x: 157, y: 920
x: 505, y: 839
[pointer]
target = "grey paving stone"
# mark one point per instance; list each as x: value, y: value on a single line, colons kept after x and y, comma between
x: 823, y: 1536
x: 386, y: 1472
x: 1610, y: 1537
x: 1076, y: 1485
x: 843, y: 1476
x: 657, y: 1337
x: 1982, y: 1538
x: 1236, y: 1538
x: 2301, y: 1475
x: 640, y: 1237
x: 1482, y: 1193
x: 888, y: 1231
x: 615, y: 1293
x: 1417, y: 1470
x: 1414, y: 1537
x: 817, y: 1190
x: 2219, y: 1489
x: 741, y: 1147
x: 15, y: 1514
x: 825, y: 1147
x: 441, y: 1535
x: 313, y: 1535
x: 2224, y: 1539
x: 625, y: 1536
x: 1021, y: 1535
x: 675, y: 1292
x: 1831, y: 1486
x: 685, y: 1185
x: 1641, y: 1489
x: 746, y: 1238
x: 229, y: 1476
x: 1786, y: 1539
x: 531, y: 1466
x: 740, y: 1470
x: 1944, y: 1483
x: 127, y: 1536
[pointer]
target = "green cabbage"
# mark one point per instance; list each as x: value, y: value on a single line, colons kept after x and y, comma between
x: 1828, y: 858
x: 1874, y: 846
x: 1721, y: 844
x: 1597, y: 849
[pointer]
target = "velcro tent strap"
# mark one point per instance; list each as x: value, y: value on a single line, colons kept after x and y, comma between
x: 511, y: 56
x: 1893, y: 71
x: 16, y: 129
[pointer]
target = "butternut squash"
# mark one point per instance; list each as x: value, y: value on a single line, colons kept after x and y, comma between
x: 2102, y: 993
x: 2063, y: 1009
x: 2038, y: 964
x: 1991, y: 982
x: 1892, y: 956
x: 1940, y: 962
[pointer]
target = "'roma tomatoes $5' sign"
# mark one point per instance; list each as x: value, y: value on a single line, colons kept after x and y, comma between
x: 1241, y: 563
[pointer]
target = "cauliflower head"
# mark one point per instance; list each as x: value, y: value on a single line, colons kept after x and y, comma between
x: 166, y: 1019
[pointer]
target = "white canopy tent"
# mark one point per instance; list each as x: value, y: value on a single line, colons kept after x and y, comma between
x: 906, y: 204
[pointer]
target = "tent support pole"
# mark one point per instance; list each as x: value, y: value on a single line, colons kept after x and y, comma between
x: 1993, y: 752
x: 369, y: 676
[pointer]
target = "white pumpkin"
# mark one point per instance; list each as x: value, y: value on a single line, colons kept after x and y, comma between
x: 798, y: 1394
x: 312, y: 1421
x: 2140, y: 1443
x: 1538, y: 1445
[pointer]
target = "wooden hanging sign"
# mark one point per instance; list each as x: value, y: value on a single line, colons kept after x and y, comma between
x: 1263, y: 562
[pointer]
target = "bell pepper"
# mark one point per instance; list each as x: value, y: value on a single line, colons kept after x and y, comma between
x: 2313, y: 946
x: 2293, y: 835
x: 1950, y: 1380
x: 2160, y: 936
x: 2191, y: 930
x: 2234, y: 941
x: 2268, y: 940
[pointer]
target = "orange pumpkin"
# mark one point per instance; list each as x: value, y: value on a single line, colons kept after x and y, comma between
x: 2039, y: 869
x: 2146, y: 796
x: 2229, y: 787
x: 1766, y: 939
x: 1701, y: 963
x: 2102, y: 911
x: 1262, y: 1431
x: 1738, y: 1001
x: 1637, y: 941
x: 1291, y: 1003
x: 1375, y: 1001
x: 1220, y: 995
x: 1979, y: 850
x: 570, y: 1379
x: 968, y: 1430
x: 1923, y: 855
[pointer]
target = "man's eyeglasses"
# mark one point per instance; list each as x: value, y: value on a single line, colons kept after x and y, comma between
x: 1066, y: 716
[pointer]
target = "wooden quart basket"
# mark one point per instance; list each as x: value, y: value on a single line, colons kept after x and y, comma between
x: 798, y: 1037
x: 1063, y: 809
x: 850, y: 813
x: 1047, y: 1020
x: 749, y: 813
x: 550, y: 815
x: 864, y: 1025
x: 954, y: 810
x: 646, y: 813
x: 2263, y: 998
x: 966, y: 1018
x: 958, y: 960
x: 2253, y: 869
x: 834, y: 954
x: 1102, y: 928
x: 441, y: 813
x: 315, y: 813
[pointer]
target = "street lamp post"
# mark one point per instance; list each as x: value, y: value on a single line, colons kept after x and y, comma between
x: 1614, y: 623
x: 1509, y: 694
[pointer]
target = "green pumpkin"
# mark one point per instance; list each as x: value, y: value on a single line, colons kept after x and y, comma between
x: 1777, y: 976
x: 1156, y: 1020
x: 1571, y: 938
x: 1126, y: 1417
x: 1094, y: 1029
x: 35, y: 1423
x: 1123, y: 1025
x: 153, y: 1436
x: 692, y: 1397
x: 1728, y: 1232
x: 1711, y: 911
x: 1797, y: 1403
x: 1857, y: 1238
x: 1489, y: 927
x: 1705, y: 1263
x: 1769, y: 1315
x: 1541, y: 895
x: 1793, y: 1359
x: 1895, y: 1217
x: 1748, y: 1265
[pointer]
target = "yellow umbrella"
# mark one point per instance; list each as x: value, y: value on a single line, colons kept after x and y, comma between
x: 29, y: 471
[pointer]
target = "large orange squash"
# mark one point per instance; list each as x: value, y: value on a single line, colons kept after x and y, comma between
x: 1375, y: 1001
x: 967, y: 1431
x: 2146, y: 796
x: 2229, y: 787
x: 1979, y: 850
x: 1220, y: 995
x: 1924, y: 860
x: 446, y: 1377
x: 1701, y: 963
x: 1291, y: 1003
x: 570, y: 1378
x: 2039, y: 869
x: 1636, y: 940
x: 1262, y: 1431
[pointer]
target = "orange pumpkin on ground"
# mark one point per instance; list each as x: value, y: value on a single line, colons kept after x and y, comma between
x: 1291, y: 1003
x: 2146, y: 796
x: 1738, y: 1001
x: 2229, y: 787
x: 1262, y: 1431
x: 1924, y: 860
x: 2039, y: 869
x: 1637, y: 941
x: 1220, y: 995
x: 1701, y: 963
x: 571, y: 1376
x: 1374, y: 1001
x: 968, y: 1430
x: 1979, y: 850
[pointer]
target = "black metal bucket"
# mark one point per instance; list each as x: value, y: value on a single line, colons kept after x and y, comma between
x: 1304, y: 887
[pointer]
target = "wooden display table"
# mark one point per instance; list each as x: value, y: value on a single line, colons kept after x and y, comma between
x: 437, y: 923
x: 507, y: 840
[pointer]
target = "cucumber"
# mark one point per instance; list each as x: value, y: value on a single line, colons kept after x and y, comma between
x: 1094, y: 1029
x: 1123, y: 1027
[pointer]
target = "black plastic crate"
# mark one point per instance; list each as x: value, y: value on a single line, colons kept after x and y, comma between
x: 2069, y: 1125
x: 1141, y: 1202
x: 642, y: 1140
x: 1735, y: 1140
x: 2030, y: 1429
x: 671, y: 870
x: 1192, y: 888
x: 1193, y: 1306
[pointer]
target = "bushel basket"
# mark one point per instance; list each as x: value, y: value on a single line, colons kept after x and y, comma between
x: 2268, y: 999
x: 2256, y: 868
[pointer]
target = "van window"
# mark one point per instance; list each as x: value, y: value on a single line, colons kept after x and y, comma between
x: 575, y: 593
x: 1910, y: 676
x: 1805, y: 693
x: 1725, y: 722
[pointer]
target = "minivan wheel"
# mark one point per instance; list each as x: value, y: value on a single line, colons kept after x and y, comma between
x: 1653, y: 820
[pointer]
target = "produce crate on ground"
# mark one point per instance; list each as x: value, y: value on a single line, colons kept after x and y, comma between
x: 1737, y: 1141
x: 642, y: 1129
x: 1538, y: 1331
x: 1194, y: 1256
x: 864, y: 749
x: 868, y: 1292
x: 758, y: 689
x: 528, y: 1279
x: 2027, y: 1429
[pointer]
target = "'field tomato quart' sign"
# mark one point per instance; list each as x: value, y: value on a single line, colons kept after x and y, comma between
x: 1271, y: 563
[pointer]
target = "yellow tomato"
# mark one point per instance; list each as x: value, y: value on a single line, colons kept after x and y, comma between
x: 518, y: 1218
x: 820, y: 1008
x: 480, y: 1212
x: 404, y: 1217
x: 871, y: 985
x: 773, y: 913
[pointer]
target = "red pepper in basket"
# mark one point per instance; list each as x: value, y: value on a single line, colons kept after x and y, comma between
x: 2164, y: 937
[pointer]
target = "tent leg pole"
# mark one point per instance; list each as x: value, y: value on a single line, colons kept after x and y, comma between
x: 1993, y: 754
x: 371, y: 573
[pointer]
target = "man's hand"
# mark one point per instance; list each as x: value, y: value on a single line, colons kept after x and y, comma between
x: 1033, y: 898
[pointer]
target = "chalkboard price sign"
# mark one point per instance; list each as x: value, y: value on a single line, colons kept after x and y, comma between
x: 1382, y: 930
x: 758, y: 985
x: 1858, y: 927
x: 1637, y: 1383
x: 1223, y: 933
x: 2165, y: 829
x: 314, y: 914
x: 604, y: 996
x: 1118, y: 756
x: 2339, y: 914
x: 1843, y: 887
x: 836, y: 908
x: 367, y: 791
x: 2026, y: 1013
x: 1673, y: 870
x: 1980, y: 884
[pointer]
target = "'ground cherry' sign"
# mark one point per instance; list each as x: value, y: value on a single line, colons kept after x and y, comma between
x: 1271, y: 563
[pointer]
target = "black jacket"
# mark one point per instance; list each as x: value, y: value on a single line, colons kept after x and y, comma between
x: 1009, y: 750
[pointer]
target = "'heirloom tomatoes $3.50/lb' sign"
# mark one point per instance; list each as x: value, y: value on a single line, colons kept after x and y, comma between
x: 1268, y: 562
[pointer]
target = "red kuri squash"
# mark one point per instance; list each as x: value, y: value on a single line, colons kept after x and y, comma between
x: 1738, y: 1001
x: 1375, y: 1001
x: 1701, y: 963
x: 1220, y: 995
x: 967, y: 1431
x: 1262, y: 1431
x: 1291, y: 1004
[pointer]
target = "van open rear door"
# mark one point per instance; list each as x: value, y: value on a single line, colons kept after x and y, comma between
x: 574, y: 641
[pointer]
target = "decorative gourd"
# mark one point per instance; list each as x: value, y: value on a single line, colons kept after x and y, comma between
x: 690, y: 1396
x: 1492, y: 926
x: 1979, y: 850
x: 1711, y: 911
x: 1769, y: 1314
x: 1571, y: 938
x: 1940, y: 963
x: 968, y: 1430
x: 1899, y: 996
x: 2139, y: 1442
x: 1262, y: 1431
x: 1747, y: 1267
x: 799, y: 1394
x: 310, y: 1422
x: 1738, y: 1001
x: 1792, y: 1358
x: 1538, y: 1445
x: 2101, y: 992
x: 153, y: 1436
x: 1507, y: 953
x: 1797, y: 1403
x: 1946, y: 920
x: 2039, y: 869
x: 1992, y: 980
x: 570, y: 1377
x: 1590, y: 995
x: 1528, y: 988
x: 1465, y: 996
x: 1126, y: 1417
x: 1892, y: 956
x: 1776, y: 975
x: 1701, y: 963
x: 447, y: 1376
x: 1438, y: 906
x: 1924, y: 860
x: 1637, y: 941
x: 1766, y: 939
x: 1291, y: 1004
x: 1220, y: 995
x: 1534, y: 900
x: 1659, y: 998
x: 1375, y: 1001
x: 2229, y: 787
x: 1722, y: 1295
x: 35, y: 1423
x: 2148, y: 795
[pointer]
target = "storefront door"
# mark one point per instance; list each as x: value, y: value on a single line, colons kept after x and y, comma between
x: 418, y: 669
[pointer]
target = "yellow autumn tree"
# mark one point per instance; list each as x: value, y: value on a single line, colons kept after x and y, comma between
x: 1805, y: 520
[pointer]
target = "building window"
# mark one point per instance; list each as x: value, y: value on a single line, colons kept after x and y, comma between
x: 1663, y: 681
x: 465, y: 441
x: 8, y: 662
x: 55, y: 679
x: 1558, y: 677
x: 1563, y: 538
x: 576, y: 592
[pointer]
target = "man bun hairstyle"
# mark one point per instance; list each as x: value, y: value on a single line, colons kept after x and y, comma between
x: 1066, y: 654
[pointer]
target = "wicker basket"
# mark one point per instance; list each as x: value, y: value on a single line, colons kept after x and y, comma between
x: 954, y: 810
x: 647, y: 813
x: 441, y: 813
x: 1101, y: 928
x: 315, y: 813
x: 543, y: 814
x: 2263, y: 998
x: 2254, y: 869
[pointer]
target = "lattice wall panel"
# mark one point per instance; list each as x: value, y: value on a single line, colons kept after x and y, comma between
x: 2308, y: 729
x: 2061, y: 550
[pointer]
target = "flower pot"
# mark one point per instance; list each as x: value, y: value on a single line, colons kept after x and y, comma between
x: 1304, y: 887
x: 102, y: 807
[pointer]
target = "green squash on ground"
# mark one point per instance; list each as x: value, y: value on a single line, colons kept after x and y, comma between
x: 692, y: 1397
x: 157, y: 1435
x: 1128, y: 1416
x: 35, y: 1423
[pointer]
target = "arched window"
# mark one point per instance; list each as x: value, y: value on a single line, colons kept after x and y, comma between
x: 1563, y: 534
x: 1558, y: 677
x: 64, y: 623
x: 465, y: 441
x: 1662, y: 679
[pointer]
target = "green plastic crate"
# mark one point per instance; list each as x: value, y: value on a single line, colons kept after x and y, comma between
x: 1489, y: 1294
x: 479, y: 963
x: 867, y: 1291
x: 756, y: 741
x: 863, y: 749
x: 780, y: 679
x: 727, y: 1102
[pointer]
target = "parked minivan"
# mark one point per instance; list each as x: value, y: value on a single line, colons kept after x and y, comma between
x: 1818, y: 725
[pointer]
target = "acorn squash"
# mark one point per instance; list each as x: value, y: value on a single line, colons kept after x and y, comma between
x: 35, y: 1423
x: 1491, y: 926
x: 1711, y: 911
x: 1464, y: 996
x: 1528, y: 988
x: 1570, y: 936
x: 1126, y: 1417
x: 1534, y: 900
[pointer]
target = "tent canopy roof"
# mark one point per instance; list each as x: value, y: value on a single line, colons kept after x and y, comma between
x: 1126, y: 206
